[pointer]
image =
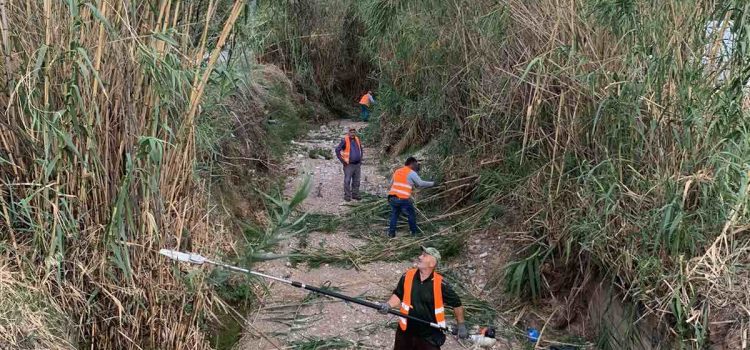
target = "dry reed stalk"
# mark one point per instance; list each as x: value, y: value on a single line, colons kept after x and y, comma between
x: 6, y: 48
x: 198, y: 90
x: 188, y: 127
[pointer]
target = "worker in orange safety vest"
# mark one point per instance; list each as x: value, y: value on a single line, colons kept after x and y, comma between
x: 365, y: 102
x: 399, y: 197
x: 423, y: 293
x: 349, y: 152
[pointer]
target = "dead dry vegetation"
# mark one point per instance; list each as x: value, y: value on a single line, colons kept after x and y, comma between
x: 28, y: 318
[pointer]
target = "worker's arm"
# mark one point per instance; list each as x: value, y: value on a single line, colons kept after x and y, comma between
x: 394, y: 301
x: 339, y: 148
x: 452, y: 300
x: 415, y: 180
x: 463, y: 333
x: 459, y: 313
x: 398, y: 293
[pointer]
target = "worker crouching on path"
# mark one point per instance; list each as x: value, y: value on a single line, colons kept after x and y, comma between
x: 423, y: 293
x: 399, y: 196
x: 349, y: 152
x: 364, y: 104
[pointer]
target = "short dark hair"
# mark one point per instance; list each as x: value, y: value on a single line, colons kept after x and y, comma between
x: 410, y: 161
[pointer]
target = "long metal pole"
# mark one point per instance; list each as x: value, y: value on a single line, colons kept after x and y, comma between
x: 197, y: 259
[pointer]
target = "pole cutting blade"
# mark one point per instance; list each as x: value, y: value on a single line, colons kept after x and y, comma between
x: 184, y: 257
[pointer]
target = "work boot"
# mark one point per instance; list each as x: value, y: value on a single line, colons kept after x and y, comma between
x: 391, y: 234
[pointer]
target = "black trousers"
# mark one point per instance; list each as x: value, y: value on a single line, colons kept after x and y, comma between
x: 407, y: 341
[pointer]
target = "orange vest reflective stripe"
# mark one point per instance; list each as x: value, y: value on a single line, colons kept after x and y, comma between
x: 437, y: 292
x: 348, y: 147
x: 365, y: 100
x: 400, y: 186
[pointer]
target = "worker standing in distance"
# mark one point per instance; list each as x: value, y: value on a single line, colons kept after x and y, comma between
x: 364, y: 104
x: 399, y: 197
x: 349, y: 152
x: 421, y: 292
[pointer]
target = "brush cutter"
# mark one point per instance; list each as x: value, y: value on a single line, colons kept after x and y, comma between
x: 485, y: 338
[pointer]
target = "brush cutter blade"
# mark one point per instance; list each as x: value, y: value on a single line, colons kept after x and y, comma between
x: 184, y: 257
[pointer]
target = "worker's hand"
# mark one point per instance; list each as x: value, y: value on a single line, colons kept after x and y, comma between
x: 462, y: 332
x: 384, y: 307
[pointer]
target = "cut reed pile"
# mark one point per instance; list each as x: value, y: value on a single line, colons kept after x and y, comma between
x: 98, y: 149
x: 378, y: 249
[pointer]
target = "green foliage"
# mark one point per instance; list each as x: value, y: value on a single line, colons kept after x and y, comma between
x: 314, y: 343
x: 282, y: 225
x: 325, y: 153
x: 285, y: 121
x: 523, y: 277
x: 233, y: 288
x: 105, y: 146
x: 316, y: 222
x: 238, y: 289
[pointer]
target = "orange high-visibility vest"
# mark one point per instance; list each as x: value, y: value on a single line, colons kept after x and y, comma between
x: 400, y: 186
x: 365, y: 100
x: 348, y: 147
x: 437, y: 291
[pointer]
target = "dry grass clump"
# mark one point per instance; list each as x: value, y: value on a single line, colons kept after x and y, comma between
x: 28, y: 318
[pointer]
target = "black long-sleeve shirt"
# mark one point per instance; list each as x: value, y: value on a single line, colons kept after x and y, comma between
x: 423, y: 303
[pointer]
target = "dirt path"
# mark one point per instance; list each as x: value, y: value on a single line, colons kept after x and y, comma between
x: 289, y: 317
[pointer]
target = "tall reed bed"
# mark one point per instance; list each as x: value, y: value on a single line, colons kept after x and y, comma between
x: 97, y: 152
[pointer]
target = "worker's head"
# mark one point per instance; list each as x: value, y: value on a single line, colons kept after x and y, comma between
x: 352, y: 132
x: 429, y: 258
x: 369, y: 92
x: 412, y: 163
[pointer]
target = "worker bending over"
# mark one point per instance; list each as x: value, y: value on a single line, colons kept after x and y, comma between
x: 365, y: 103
